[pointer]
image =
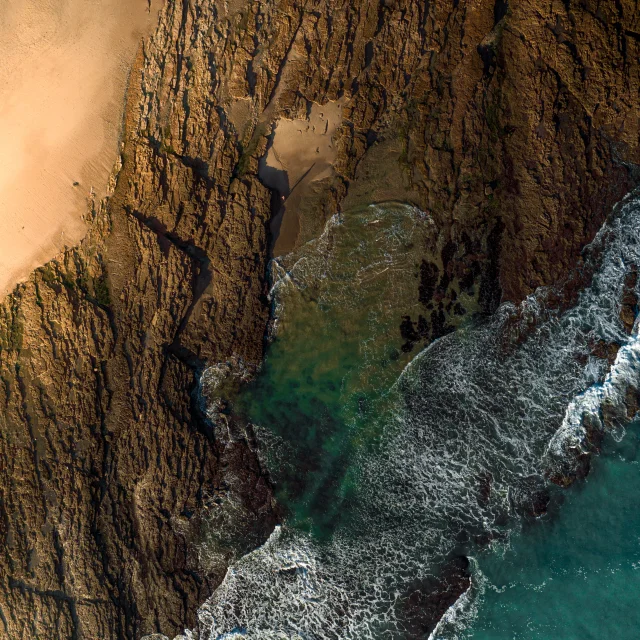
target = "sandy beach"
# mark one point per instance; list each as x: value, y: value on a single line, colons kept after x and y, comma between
x: 302, y: 153
x: 63, y: 71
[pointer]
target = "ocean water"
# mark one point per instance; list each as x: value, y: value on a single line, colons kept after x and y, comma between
x: 574, y: 575
x: 390, y: 463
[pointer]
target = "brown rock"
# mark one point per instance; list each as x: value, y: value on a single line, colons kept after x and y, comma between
x: 513, y: 129
x: 605, y: 350
x: 428, y: 601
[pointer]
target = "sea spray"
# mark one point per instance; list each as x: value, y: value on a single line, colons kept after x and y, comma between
x: 480, y: 403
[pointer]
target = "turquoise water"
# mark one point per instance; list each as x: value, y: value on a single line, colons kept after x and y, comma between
x: 337, y: 348
x: 380, y: 455
x: 574, y: 575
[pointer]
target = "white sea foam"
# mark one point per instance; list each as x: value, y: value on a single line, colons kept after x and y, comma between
x: 472, y: 405
x: 215, y: 382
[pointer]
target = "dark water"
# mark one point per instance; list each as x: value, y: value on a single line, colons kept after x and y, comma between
x: 382, y: 458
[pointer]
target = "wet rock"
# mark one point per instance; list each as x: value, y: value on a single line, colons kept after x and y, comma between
x: 426, y: 602
x: 613, y: 413
x: 604, y: 350
x: 574, y: 467
x: 428, y: 280
x: 632, y: 402
x: 486, y: 538
x: 629, y: 305
x: 593, y: 433
x: 575, y: 463
x: 485, y: 483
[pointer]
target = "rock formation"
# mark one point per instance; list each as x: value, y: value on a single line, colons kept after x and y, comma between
x: 513, y: 124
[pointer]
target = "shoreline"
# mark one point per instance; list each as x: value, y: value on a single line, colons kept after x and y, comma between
x: 64, y: 77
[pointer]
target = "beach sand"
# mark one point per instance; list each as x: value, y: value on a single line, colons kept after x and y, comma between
x: 64, y: 65
x: 302, y: 153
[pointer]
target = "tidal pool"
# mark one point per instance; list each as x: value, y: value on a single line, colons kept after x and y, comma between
x: 337, y: 349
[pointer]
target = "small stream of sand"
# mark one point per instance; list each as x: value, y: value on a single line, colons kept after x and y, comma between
x: 63, y: 71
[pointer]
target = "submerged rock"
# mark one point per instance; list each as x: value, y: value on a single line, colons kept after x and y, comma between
x: 530, y: 496
x: 629, y: 306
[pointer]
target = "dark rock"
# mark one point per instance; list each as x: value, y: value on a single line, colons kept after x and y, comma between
x: 426, y: 602
x: 604, y: 350
x: 575, y: 467
x: 485, y: 483
x: 629, y: 305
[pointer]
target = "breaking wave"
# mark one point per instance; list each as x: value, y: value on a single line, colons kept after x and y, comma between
x: 472, y: 428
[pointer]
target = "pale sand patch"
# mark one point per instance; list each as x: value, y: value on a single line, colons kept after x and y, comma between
x: 63, y: 71
x: 302, y: 152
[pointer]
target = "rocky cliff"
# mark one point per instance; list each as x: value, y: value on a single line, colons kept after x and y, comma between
x: 514, y: 125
